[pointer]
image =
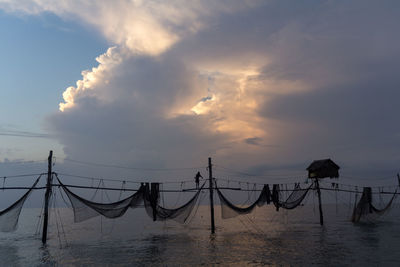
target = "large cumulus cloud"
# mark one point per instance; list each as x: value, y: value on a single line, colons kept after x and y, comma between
x: 135, y: 114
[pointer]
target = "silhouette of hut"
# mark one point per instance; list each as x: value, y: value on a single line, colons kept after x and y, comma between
x: 323, y: 168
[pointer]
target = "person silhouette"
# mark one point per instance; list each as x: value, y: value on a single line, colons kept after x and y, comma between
x: 197, y: 179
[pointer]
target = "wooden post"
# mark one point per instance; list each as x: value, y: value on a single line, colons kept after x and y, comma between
x: 321, y: 216
x: 47, y: 198
x: 398, y: 179
x: 211, y: 196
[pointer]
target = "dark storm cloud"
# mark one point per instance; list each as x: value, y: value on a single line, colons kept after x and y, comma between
x: 348, y: 59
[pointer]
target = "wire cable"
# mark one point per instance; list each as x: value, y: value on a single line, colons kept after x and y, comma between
x: 117, y: 179
x: 21, y: 175
x: 98, y: 179
x: 23, y: 162
x: 129, y: 168
x: 225, y: 169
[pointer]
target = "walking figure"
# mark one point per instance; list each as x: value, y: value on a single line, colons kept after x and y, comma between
x: 197, y: 179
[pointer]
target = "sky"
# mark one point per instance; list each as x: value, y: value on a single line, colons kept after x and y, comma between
x: 262, y: 87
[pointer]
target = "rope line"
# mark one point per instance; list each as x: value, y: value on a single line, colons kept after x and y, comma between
x: 21, y: 175
x: 130, y: 168
x: 118, y: 179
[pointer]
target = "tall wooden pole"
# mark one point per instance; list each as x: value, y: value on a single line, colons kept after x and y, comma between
x: 46, y: 198
x: 321, y: 216
x: 211, y: 195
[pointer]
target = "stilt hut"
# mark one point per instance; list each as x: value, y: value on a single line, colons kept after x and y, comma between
x: 321, y: 169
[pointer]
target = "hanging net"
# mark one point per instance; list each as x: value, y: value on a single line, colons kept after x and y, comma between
x: 85, y: 209
x: 151, y: 199
x: 158, y: 213
x: 295, y: 198
x: 276, y: 195
x: 229, y: 210
x: 9, y: 217
x: 149, y: 194
x: 365, y: 208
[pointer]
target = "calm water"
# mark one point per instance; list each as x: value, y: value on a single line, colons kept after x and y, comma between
x: 262, y: 238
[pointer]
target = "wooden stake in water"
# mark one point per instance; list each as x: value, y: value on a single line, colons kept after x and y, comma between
x: 46, y: 198
x: 321, y: 216
x: 398, y: 179
x: 211, y: 196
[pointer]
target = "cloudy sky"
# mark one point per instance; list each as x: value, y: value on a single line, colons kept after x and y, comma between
x: 259, y: 86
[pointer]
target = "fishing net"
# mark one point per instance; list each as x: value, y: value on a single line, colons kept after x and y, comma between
x: 9, y: 217
x: 365, y: 208
x: 295, y: 198
x: 151, y: 199
x: 158, y: 213
x: 276, y: 195
x: 149, y: 194
x: 229, y: 210
x: 85, y: 209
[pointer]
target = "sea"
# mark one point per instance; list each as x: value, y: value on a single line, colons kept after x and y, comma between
x: 265, y: 237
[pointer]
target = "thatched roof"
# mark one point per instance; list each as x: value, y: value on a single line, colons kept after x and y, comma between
x: 323, y: 168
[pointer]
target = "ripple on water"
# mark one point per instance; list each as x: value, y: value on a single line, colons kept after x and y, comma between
x: 263, y: 238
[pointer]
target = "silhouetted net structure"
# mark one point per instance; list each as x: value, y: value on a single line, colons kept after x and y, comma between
x: 9, y: 216
x: 147, y: 194
x: 158, y: 213
x: 295, y: 198
x: 365, y: 208
x: 85, y: 209
x: 229, y: 210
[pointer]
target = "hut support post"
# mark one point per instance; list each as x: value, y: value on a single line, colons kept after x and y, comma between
x: 321, y: 216
x: 211, y: 196
x: 46, y: 198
